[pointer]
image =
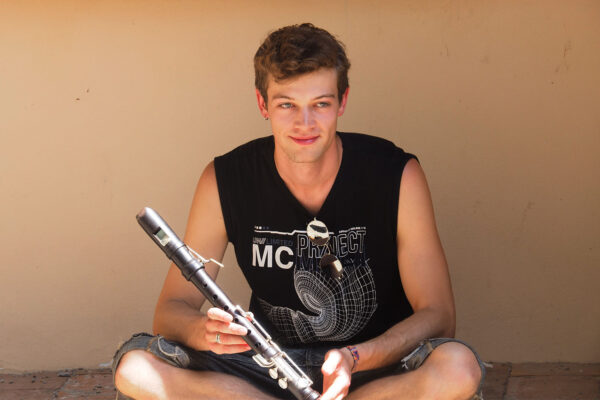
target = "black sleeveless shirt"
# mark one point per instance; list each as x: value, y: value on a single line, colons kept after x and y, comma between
x: 298, y: 302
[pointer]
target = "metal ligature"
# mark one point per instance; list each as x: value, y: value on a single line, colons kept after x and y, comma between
x: 191, y: 264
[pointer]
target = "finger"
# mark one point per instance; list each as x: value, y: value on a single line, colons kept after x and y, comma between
x: 216, y: 340
x: 332, y: 362
x: 212, y: 327
x: 338, y: 388
x: 226, y: 339
x: 336, y: 378
x: 215, y: 313
x: 220, y: 321
x: 329, y: 366
x: 229, y: 349
x: 222, y: 343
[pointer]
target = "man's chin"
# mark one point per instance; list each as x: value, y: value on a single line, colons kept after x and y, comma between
x: 305, y: 160
x: 304, y: 157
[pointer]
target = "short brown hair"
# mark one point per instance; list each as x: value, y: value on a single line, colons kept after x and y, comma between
x: 299, y: 49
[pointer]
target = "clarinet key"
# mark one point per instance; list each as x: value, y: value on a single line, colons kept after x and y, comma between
x: 283, y: 383
x: 273, y: 373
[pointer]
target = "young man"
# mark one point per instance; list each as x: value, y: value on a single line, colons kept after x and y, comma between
x: 348, y: 322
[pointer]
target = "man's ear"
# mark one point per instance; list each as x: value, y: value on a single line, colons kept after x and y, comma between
x: 343, y: 102
x: 262, y: 104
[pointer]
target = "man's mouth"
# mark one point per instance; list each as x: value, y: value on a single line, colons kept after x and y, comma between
x: 305, y: 140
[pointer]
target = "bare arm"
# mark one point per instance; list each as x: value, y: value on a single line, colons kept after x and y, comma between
x: 177, y: 315
x: 426, y: 282
x: 424, y: 274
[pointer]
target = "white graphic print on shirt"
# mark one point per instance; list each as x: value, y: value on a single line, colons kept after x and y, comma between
x: 339, y: 308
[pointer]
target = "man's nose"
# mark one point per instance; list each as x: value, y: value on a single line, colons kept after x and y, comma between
x: 305, y: 117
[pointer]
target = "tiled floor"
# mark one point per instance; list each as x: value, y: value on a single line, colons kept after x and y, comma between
x: 555, y: 381
x: 527, y: 381
x: 53, y: 385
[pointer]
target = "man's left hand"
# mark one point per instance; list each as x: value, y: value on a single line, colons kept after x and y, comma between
x: 337, y: 374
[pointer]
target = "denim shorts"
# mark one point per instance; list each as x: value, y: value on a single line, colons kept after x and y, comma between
x: 242, y: 365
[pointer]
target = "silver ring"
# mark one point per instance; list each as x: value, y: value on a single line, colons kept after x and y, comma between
x: 219, y: 337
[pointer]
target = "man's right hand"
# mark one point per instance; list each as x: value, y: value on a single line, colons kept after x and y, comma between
x: 223, y: 336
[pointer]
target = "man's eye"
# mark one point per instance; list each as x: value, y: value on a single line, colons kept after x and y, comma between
x: 322, y: 104
x: 286, y: 105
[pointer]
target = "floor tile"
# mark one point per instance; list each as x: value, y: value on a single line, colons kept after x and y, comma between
x: 91, y: 386
x: 553, y: 388
x: 42, y: 381
x: 26, y: 394
x: 495, y: 381
x: 561, y: 369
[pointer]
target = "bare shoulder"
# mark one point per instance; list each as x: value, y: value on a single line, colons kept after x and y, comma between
x: 205, y: 196
x: 414, y: 205
x: 206, y: 188
x: 206, y: 227
x: 205, y: 233
x: 413, y: 175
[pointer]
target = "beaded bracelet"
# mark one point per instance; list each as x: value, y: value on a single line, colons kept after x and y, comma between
x: 355, y: 357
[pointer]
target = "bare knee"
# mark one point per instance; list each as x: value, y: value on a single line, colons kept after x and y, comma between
x: 138, y: 375
x: 458, y: 368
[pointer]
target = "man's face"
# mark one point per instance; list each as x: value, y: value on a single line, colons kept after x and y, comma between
x: 303, y: 111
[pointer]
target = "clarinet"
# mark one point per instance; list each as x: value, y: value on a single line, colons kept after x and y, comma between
x: 268, y: 354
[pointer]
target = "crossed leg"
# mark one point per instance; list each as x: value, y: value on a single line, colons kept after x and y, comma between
x: 141, y: 375
x: 450, y: 372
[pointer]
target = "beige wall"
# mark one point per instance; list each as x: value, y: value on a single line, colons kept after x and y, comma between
x: 109, y: 106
